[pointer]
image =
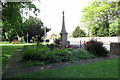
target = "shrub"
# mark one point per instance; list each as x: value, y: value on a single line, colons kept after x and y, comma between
x: 46, y: 54
x: 96, y: 48
x: 33, y: 52
x: 82, y: 54
x: 57, y: 41
x: 53, y: 46
x: 66, y: 54
x: 63, y: 54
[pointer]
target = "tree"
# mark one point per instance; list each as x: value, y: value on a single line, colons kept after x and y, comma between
x: 12, y: 17
x: 99, y: 15
x: 114, y: 27
x: 78, y: 32
x: 34, y: 28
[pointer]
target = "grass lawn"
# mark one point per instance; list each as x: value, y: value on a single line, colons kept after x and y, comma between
x: 5, y: 42
x: 7, y: 51
x: 101, y: 69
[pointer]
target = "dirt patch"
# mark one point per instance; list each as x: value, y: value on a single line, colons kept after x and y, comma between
x: 13, y: 66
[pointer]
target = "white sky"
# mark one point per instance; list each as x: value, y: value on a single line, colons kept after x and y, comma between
x: 51, y: 13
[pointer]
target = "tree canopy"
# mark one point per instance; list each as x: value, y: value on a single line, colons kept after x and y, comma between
x: 34, y: 28
x: 12, y: 18
x: 100, y: 17
x: 78, y: 32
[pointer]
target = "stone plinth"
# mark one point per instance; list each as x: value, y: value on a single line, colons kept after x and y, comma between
x: 63, y: 39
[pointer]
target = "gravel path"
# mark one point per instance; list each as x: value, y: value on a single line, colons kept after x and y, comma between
x: 13, y: 66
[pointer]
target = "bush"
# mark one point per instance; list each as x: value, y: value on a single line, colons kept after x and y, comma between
x: 82, y: 54
x: 57, y: 41
x: 33, y: 52
x: 66, y: 54
x: 53, y: 46
x: 96, y: 48
x: 63, y: 54
x: 48, y: 54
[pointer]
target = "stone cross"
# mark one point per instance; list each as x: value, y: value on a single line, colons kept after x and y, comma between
x: 63, y: 33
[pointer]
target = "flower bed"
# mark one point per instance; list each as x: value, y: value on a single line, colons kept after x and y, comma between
x: 53, y: 53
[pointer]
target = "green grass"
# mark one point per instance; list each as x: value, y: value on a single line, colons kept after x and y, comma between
x: 7, y: 51
x: 101, y: 69
x: 5, y: 42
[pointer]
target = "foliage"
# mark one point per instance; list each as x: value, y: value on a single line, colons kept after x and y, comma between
x: 57, y: 41
x: 33, y: 52
x: 12, y: 18
x: 78, y: 32
x: 82, y: 54
x: 99, y: 15
x: 96, y: 48
x: 114, y: 28
x: 45, y: 54
x: 64, y: 54
x: 53, y: 46
x: 34, y: 28
x: 53, y: 53
x: 100, y: 69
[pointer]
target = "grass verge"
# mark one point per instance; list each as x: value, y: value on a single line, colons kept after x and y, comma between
x: 7, y: 51
x: 5, y: 42
x: 101, y: 69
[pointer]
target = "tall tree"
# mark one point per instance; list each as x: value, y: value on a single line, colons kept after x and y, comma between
x: 12, y: 17
x: 114, y: 28
x: 34, y: 28
x: 99, y: 15
x: 78, y: 32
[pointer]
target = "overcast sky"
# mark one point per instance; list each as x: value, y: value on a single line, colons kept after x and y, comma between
x: 51, y: 13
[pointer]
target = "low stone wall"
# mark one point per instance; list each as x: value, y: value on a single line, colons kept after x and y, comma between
x: 105, y: 40
x: 115, y: 48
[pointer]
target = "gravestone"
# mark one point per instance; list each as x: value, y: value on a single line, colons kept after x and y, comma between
x: 63, y: 34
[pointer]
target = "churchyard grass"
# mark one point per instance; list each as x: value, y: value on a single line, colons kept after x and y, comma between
x: 101, y: 69
x: 5, y: 42
x: 7, y: 51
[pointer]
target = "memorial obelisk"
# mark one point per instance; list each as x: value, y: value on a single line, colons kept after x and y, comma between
x: 63, y: 33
